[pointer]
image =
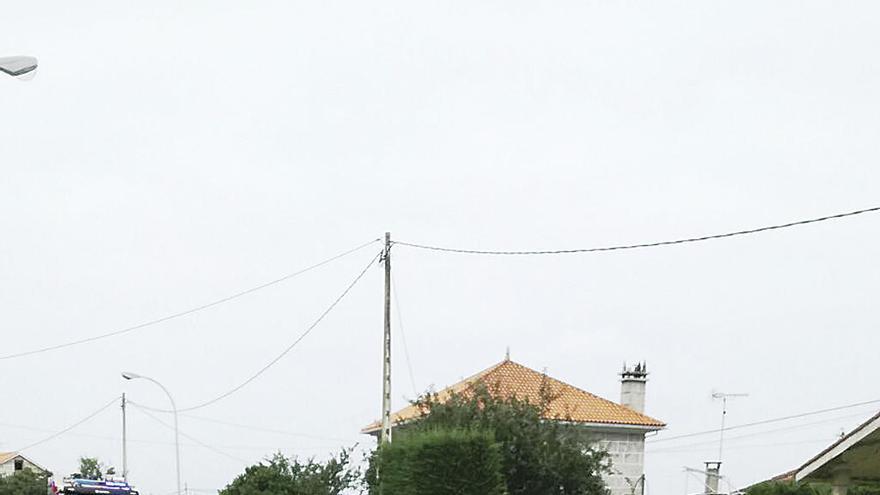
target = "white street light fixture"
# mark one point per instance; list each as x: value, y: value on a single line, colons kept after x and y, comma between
x: 18, y: 67
x: 133, y: 376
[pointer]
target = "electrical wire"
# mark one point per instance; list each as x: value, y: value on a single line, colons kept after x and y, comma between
x: 190, y: 437
x: 409, y: 368
x: 643, y: 245
x: 283, y: 353
x: 758, y: 433
x: 766, y: 421
x: 190, y: 311
x: 263, y: 429
x: 59, y: 433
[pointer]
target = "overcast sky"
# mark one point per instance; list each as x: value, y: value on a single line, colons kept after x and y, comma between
x: 171, y: 153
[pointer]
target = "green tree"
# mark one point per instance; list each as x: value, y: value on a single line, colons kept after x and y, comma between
x: 91, y: 468
x: 538, y: 457
x: 24, y: 482
x: 280, y: 475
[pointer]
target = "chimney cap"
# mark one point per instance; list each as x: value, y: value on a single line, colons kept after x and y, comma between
x: 638, y: 372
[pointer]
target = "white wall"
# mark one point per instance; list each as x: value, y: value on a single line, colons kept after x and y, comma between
x: 8, y: 467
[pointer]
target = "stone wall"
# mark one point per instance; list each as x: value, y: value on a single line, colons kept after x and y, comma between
x: 626, y: 450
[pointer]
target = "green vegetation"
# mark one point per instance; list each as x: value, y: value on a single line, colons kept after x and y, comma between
x: 538, y: 457
x: 282, y: 476
x: 476, y: 443
x: 24, y: 482
x: 788, y: 488
x: 91, y: 468
x: 442, y: 462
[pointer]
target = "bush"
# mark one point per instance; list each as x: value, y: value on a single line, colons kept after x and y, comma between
x: 441, y: 462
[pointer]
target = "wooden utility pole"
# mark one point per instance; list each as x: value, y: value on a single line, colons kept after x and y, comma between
x: 124, y: 446
x: 386, y: 362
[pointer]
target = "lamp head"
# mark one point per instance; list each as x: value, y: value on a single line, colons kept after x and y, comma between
x: 18, y: 67
x: 129, y: 375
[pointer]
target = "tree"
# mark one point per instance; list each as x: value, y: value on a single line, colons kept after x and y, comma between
x: 90, y: 468
x: 282, y: 476
x: 24, y: 482
x: 538, y: 456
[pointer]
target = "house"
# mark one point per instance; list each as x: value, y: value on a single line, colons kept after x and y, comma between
x: 12, y: 462
x: 619, y: 428
x: 851, y: 461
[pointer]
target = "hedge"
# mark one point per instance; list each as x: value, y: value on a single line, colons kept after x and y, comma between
x: 441, y: 462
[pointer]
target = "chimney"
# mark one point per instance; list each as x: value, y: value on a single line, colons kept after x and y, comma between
x: 632, y: 386
x: 713, y: 474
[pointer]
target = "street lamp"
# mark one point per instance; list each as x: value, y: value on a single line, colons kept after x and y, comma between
x: 132, y: 376
x: 18, y: 67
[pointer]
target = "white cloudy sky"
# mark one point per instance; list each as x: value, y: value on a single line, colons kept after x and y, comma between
x: 167, y: 155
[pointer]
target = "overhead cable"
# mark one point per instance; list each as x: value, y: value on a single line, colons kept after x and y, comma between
x: 409, y: 367
x: 59, y: 433
x: 764, y: 422
x: 264, y: 429
x: 284, y: 352
x: 190, y: 311
x: 762, y: 433
x: 642, y: 245
x: 190, y: 437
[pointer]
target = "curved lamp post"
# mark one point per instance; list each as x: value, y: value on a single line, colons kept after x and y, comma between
x: 133, y: 376
x: 18, y: 67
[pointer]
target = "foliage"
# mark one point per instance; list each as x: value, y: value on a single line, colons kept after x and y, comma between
x: 782, y: 488
x: 538, y: 457
x: 90, y: 468
x: 788, y: 488
x: 24, y: 482
x: 282, y: 476
x: 442, y: 462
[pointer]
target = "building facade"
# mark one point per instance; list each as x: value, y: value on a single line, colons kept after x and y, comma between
x: 617, y: 427
x: 12, y: 462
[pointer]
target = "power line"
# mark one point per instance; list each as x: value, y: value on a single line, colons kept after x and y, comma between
x: 59, y: 433
x: 643, y: 245
x: 190, y: 311
x: 183, y: 444
x: 283, y: 353
x: 409, y: 368
x: 263, y: 429
x: 683, y: 447
x: 766, y: 421
x: 190, y: 437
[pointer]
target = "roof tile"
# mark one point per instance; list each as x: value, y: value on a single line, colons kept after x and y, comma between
x: 513, y: 379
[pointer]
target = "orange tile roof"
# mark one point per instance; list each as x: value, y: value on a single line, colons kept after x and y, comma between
x: 5, y: 456
x: 512, y: 379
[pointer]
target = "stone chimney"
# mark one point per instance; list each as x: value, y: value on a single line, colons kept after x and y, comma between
x: 632, y: 386
x: 713, y: 475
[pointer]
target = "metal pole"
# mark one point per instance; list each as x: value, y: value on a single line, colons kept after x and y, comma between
x: 124, y: 445
x: 723, y: 420
x: 386, y: 362
x: 176, y: 433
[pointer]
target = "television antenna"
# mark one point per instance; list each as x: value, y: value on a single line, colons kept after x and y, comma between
x: 724, y: 396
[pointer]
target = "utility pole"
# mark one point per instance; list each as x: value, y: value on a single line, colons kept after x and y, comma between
x: 124, y: 446
x: 386, y: 362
